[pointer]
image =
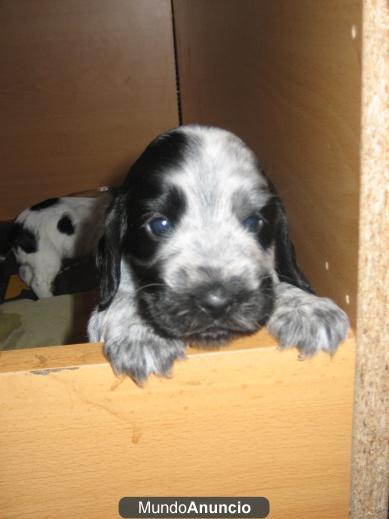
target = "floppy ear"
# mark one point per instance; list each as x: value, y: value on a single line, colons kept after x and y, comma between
x: 285, y: 256
x: 109, y: 252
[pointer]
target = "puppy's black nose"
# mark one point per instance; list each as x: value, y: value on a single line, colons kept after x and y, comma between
x: 214, y: 301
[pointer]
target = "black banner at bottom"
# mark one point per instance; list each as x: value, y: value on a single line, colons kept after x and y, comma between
x: 194, y: 507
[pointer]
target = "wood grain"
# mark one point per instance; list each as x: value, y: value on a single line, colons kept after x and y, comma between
x: 239, y: 422
x: 285, y: 76
x: 84, y: 86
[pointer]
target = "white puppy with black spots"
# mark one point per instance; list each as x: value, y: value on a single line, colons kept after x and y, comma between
x: 54, y: 230
x: 196, y: 251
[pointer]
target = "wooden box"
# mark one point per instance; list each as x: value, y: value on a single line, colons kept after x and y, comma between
x: 84, y: 86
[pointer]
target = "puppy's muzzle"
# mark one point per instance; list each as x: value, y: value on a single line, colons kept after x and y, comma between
x: 212, y: 312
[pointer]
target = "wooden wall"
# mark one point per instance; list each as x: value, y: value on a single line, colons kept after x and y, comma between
x: 285, y: 76
x: 370, y: 460
x: 84, y: 86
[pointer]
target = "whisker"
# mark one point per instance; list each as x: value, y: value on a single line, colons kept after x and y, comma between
x: 143, y: 287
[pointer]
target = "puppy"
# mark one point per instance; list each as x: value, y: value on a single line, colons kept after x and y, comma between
x: 196, y: 251
x: 53, y: 230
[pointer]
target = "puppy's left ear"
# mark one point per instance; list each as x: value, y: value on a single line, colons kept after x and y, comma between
x: 109, y: 252
x: 285, y: 255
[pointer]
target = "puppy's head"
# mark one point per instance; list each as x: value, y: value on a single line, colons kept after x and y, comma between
x: 203, y: 235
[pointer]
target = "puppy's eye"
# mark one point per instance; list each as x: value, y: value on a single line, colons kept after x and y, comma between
x: 253, y: 223
x: 159, y: 226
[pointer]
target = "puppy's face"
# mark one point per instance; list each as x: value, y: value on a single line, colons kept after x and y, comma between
x: 199, y: 237
x: 196, y: 223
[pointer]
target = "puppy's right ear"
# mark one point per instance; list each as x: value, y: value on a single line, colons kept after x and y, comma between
x: 285, y: 255
x: 109, y: 252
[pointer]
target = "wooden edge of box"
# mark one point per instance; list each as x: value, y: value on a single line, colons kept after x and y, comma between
x: 68, y: 356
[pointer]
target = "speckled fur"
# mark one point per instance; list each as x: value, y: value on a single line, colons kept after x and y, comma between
x: 146, y: 325
x: 131, y: 345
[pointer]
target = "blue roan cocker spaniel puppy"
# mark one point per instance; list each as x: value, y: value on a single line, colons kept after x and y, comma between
x: 196, y: 251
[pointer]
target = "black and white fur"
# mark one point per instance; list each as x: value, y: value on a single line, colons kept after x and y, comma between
x: 222, y: 268
x: 54, y: 230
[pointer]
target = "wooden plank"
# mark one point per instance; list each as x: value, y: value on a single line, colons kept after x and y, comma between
x: 53, y: 357
x: 85, y: 86
x: 248, y: 422
x: 285, y: 76
x: 370, y: 459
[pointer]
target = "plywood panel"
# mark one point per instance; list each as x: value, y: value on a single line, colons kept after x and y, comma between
x: 370, y: 459
x: 285, y: 76
x: 252, y: 421
x: 84, y: 86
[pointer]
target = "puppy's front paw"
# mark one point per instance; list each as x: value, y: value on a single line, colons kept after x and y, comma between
x: 308, y: 322
x: 142, y: 353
